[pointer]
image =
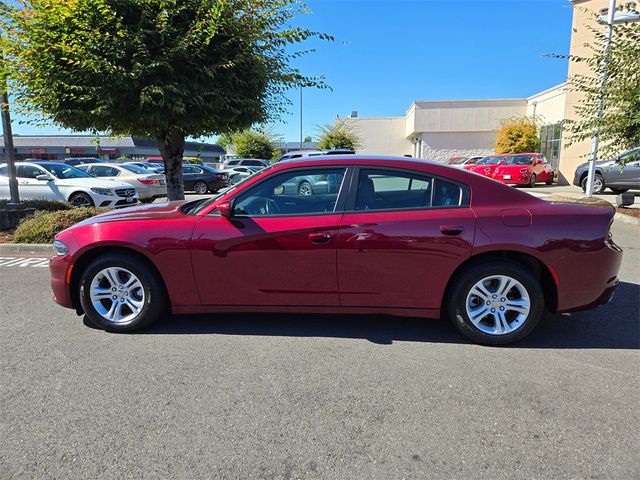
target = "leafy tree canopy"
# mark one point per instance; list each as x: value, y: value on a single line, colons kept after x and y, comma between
x: 164, y: 69
x: 253, y: 144
x: 517, y: 135
x: 341, y: 134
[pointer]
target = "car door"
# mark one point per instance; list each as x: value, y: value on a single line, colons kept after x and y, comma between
x: 30, y: 188
x: 188, y: 177
x: 277, y: 248
x: 402, y: 236
x: 626, y: 171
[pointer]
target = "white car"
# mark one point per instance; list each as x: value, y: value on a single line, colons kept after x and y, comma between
x: 244, y: 162
x: 149, y: 185
x: 58, y: 181
x: 237, y: 174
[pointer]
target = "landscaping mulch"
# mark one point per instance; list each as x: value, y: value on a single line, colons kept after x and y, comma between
x: 6, y: 237
x: 633, y: 212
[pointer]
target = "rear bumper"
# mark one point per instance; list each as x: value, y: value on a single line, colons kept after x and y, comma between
x: 603, y: 299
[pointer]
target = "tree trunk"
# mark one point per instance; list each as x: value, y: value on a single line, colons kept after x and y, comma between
x: 171, y: 146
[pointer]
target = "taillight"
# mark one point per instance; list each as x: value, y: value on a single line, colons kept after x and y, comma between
x: 149, y: 181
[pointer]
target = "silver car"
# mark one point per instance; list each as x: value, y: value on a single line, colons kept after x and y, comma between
x: 620, y: 173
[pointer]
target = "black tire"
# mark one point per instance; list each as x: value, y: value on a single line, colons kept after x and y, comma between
x: 81, y: 200
x: 532, y: 180
x: 154, y: 303
x: 618, y: 191
x: 551, y: 179
x: 147, y: 200
x: 465, y: 281
x: 200, y: 188
x: 598, y: 180
x: 305, y: 189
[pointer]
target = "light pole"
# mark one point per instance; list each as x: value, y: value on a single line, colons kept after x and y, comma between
x: 301, y: 137
x: 9, y: 152
x: 610, y: 21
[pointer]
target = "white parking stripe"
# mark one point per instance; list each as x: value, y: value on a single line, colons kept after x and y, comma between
x: 24, y: 262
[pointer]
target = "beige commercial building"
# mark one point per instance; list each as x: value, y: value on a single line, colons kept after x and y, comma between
x: 439, y: 130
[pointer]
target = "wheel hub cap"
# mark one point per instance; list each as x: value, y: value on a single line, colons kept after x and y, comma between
x: 117, y: 295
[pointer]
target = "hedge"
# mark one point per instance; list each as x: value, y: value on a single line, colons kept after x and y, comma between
x: 43, y: 226
x: 44, y: 205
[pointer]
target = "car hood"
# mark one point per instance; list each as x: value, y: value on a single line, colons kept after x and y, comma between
x: 91, y: 182
x: 156, y: 211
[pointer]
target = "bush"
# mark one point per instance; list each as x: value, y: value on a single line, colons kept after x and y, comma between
x: 43, y: 226
x: 517, y: 135
x: 197, y: 160
x: 44, y: 205
x: 342, y: 134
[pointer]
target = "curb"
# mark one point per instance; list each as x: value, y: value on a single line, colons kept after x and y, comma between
x: 26, y: 248
x: 621, y: 217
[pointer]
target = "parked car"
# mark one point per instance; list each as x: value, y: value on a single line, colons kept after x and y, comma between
x: 75, y: 161
x: 148, y: 185
x: 486, y: 165
x: 339, y: 151
x: 66, y: 183
x: 149, y: 166
x: 202, y: 179
x: 524, y: 169
x: 237, y: 174
x: 460, y: 162
x: 244, y: 162
x: 619, y: 174
x: 300, y: 154
x: 400, y: 237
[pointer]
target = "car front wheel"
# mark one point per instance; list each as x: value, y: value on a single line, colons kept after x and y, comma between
x: 81, y: 200
x: 121, y: 293
x: 496, y: 303
x: 532, y: 180
x: 598, y: 184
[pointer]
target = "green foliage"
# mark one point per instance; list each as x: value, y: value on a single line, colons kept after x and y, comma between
x: 620, y: 122
x: 197, y: 160
x: 253, y: 144
x: 41, y: 205
x: 341, y: 134
x: 156, y: 68
x: 43, y: 226
x: 517, y: 135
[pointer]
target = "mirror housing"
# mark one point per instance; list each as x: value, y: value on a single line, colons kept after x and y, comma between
x: 539, y: 161
x: 224, y: 209
x: 44, y: 178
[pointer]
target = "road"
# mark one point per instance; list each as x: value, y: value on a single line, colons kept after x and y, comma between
x: 299, y: 396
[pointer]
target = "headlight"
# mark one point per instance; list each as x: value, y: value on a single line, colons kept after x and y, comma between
x: 60, y: 248
x: 103, y: 191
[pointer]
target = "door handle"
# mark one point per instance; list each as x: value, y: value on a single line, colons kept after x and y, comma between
x: 24, y: 183
x: 451, y: 229
x: 319, y: 237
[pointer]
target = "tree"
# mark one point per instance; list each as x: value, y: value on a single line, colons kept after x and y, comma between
x: 253, y: 144
x: 517, y: 135
x: 620, y: 122
x: 341, y: 134
x: 155, y: 68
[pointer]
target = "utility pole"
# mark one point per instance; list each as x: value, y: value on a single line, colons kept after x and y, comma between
x: 595, y: 140
x: 301, y: 137
x: 9, y: 152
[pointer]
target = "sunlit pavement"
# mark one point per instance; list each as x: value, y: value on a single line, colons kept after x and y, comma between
x: 299, y: 396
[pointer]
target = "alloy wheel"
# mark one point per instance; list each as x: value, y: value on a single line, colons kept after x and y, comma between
x: 498, y: 305
x: 81, y: 201
x: 200, y: 188
x: 305, y: 189
x: 117, y: 295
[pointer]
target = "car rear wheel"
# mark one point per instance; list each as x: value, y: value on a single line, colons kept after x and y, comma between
x: 305, y: 189
x: 120, y: 293
x: 200, y: 188
x: 81, y: 200
x: 496, y: 303
x: 532, y: 180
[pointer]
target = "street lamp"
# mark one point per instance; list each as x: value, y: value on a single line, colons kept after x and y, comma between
x: 610, y: 20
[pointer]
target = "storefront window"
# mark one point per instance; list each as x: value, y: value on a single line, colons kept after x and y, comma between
x: 550, y: 142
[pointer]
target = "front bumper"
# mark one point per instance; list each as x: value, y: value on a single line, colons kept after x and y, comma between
x: 60, y: 269
x: 114, y: 201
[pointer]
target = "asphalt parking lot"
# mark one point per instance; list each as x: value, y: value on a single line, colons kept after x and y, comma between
x: 300, y: 396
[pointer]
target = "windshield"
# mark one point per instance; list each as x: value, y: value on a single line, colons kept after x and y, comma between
x: 62, y: 171
x: 136, y: 169
x: 492, y: 160
x: 519, y: 160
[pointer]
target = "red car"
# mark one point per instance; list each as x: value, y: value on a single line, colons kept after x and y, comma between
x: 524, y: 169
x: 395, y: 236
x: 486, y: 166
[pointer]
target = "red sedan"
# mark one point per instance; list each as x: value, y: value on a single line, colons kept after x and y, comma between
x: 486, y: 166
x: 524, y: 169
x: 386, y: 236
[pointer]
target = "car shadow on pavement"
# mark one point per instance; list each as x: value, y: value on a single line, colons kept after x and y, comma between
x: 612, y: 326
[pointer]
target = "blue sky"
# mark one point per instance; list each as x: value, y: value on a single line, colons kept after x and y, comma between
x: 388, y: 53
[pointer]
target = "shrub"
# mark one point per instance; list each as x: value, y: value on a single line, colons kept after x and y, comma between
x: 197, y: 160
x: 43, y: 226
x: 517, y: 135
x: 342, y: 134
x: 44, y: 205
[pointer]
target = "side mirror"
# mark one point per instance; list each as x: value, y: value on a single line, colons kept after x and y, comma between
x: 44, y: 178
x: 539, y: 161
x: 225, y: 209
